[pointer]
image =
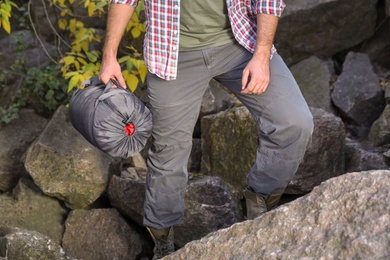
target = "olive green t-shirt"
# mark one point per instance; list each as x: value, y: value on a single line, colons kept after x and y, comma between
x: 204, y: 24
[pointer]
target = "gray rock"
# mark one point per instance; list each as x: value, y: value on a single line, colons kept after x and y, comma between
x: 358, y: 94
x: 30, y: 245
x: 229, y: 143
x: 324, y: 158
x: 314, y: 76
x: 101, y: 234
x: 210, y: 204
x: 344, y: 218
x: 15, y: 138
x: 379, y: 134
x: 323, y: 27
x: 29, y: 209
x: 357, y: 158
x: 64, y: 165
x: 387, y: 92
x: 196, y: 156
x: 386, y: 157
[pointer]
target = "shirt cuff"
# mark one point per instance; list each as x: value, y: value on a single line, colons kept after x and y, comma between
x: 273, y: 7
x: 128, y: 2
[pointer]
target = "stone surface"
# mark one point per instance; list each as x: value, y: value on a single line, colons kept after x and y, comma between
x: 358, y: 94
x: 314, y: 76
x: 324, y: 158
x: 323, y: 27
x: 210, y: 204
x: 30, y: 245
x: 379, y: 134
x: 229, y: 143
x: 101, y: 234
x: 15, y: 138
x: 64, y: 165
x: 346, y: 217
x: 28, y: 208
x: 357, y: 158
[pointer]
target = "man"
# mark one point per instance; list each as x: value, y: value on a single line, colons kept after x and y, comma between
x: 187, y: 43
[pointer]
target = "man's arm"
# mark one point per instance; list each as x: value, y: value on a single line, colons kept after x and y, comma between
x: 118, y: 17
x: 256, y: 75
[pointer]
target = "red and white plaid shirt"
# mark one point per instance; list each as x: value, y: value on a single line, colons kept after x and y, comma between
x: 161, y: 43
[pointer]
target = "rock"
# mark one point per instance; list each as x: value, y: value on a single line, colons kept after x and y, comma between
x: 215, y: 99
x: 15, y: 138
x: 379, y: 134
x: 386, y: 157
x: 196, y: 155
x: 324, y: 158
x: 346, y: 217
x: 358, y: 94
x: 359, y: 159
x: 210, y: 203
x: 323, y: 27
x: 64, y: 165
x: 229, y: 143
x: 29, y: 209
x: 314, y: 76
x: 101, y: 234
x: 127, y: 193
x: 30, y: 245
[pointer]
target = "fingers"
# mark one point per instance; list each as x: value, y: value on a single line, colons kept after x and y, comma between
x: 111, y: 70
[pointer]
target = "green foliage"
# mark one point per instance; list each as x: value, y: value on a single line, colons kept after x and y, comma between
x: 42, y: 89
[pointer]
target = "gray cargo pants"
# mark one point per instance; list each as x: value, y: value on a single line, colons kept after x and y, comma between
x: 283, y: 117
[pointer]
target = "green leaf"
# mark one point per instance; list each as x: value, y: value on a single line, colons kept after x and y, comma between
x: 91, y: 57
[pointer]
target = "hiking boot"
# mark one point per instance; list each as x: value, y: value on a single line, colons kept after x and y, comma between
x: 163, y: 241
x: 257, y: 204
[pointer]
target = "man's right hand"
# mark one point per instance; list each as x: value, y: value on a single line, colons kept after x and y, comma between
x: 110, y: 69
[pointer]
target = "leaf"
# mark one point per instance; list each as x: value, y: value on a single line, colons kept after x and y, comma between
x: 131, y: 80
x: 123, y: 59
x: 129, y: 64
x: 91, y: 9
x: 143, y: 71
x: 6, y: 26
x: 67, y: 60
x: 73, y: 82
x: 135, y: 32
x: 100, y: 5
x: 91, y: 57
x: 62, y: 24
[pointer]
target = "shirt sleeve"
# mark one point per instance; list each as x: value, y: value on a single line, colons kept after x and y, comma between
x: 128, y: 2
x: 273, y: 7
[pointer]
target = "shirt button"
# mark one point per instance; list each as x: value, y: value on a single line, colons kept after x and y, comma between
x: 175, y: 32
x: 176, y: 7
x: 174, y: 48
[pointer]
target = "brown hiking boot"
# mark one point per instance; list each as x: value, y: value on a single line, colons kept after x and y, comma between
x: 163, y: 241
x: 256, y: 204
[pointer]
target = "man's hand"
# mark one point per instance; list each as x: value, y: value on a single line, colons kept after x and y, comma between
x: 110, y: 69
x: 255, y: 77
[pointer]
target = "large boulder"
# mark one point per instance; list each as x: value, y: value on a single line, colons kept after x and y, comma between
x: 101, y: 234
x: 64, y: 165
x: 358, y: 94
x: 210, y: 203
x: 30, y: 245
x: 313, y: 76
x: 344, y: 218
x: 229, y: 143
x: 323, y: 27
x: 29, y: 209
x: 15, y: 138
x: 324, y: 158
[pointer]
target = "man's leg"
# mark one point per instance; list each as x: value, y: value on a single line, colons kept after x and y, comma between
x: 175, y: 108
x: 285, y: 129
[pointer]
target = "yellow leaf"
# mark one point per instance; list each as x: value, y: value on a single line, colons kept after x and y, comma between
x: 71, y: 1
x: 67, y: 60
x: 91, y: 8
x: 86, y: 3
x: 73, y: 82
x: 135, y: 32
x: 62, y: 24
x: 143, y: 71
x: 131, y: 80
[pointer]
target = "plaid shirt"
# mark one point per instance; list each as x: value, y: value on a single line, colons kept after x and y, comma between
x: 161, y: 43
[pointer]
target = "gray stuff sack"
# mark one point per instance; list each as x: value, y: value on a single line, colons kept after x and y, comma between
x: 112, y: 119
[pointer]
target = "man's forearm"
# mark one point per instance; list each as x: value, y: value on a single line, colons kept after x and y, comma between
x: 118, y: 17
x: 266, y: 28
